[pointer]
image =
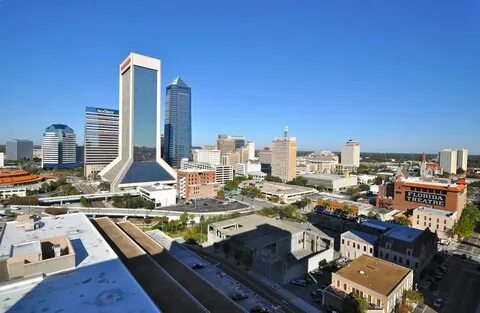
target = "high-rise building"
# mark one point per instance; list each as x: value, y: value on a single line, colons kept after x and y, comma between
x: 251, y: 150
x: 59, y: 147
x: 462, y: 158
x: 448, y: 160
x: 284, y: 157
x: 178, y: 122
x: 223, y: 173
x: 139, y: 161
x: 2, y: 159
x: 19, y: 150
x: 225, y: 144
x: 265, y: 159
x: 351, y: 154
x: 101, y: 139
x: 206, y: 156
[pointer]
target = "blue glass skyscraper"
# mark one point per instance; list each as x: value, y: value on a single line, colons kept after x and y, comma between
x: 178, y: 122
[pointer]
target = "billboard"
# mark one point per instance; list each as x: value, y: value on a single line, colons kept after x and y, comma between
x: 425, y: 198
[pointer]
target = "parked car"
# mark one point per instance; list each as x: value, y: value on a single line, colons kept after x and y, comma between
x: 198, y: 266
x: 443, y: 269
x: 299, y: 282
x: 444, y: 242
x: 438, y: 303
x: 237, y: 296
x: 438, y: 276
x: 259, y: 309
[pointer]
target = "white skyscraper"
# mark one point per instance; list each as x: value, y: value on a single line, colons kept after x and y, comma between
x: 351, y: 154
x: 251, y: 150
x: 462, y: 158
x: 448, y: 160
x: 139, y: 160
x: 59, y: 147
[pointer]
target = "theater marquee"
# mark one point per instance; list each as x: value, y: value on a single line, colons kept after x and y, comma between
x: 425, y: 198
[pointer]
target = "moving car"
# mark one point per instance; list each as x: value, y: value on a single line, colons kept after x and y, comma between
x: 237, y: 296
x: 198, y: 266
x: 259, y: 309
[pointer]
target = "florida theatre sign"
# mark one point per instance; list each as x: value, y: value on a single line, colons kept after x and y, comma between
x: 425, y: 198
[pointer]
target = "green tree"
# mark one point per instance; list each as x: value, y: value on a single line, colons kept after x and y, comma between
x: 403, y: 220
x: 275, y: 199
x: 353, y: 193
x: 221, y: 193
x: 84, y: 202
x: 460, y: 171
x: 251, y: 192
x: 353, y: 303
x: 468, y: 221
x: 104, y: 186
x: 299, y: 181
x: 364, y: 187
x: 274, y: 179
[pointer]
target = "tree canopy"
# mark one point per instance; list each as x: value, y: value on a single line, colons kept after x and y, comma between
x: 468, y: 221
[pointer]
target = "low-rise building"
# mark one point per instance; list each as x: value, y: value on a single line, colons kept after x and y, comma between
x: 332, y: 182
x: 355, y: 243
x: 160, y: 195
x: 7, y: 192
x: 195, y: 184
x: 284, y: 193
x: 406, y: 246
x: 410, y: 193
x: 223, y: 173
x: 379, y: 282
x: 280, y: 250
x: 62, y: 264
x: 207, y: 156
x: 438, y: 221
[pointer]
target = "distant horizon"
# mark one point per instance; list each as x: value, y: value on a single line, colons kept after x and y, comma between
x: 332, y: 72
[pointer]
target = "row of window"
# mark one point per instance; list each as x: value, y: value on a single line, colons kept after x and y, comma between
x: 369, y: 298
x: 357, y: 245
x: 425, y: 218
x: 441, y: 192
x: 395, y: 259
x: 430, y: 225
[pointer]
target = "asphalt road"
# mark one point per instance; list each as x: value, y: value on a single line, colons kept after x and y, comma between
x: 250, y: 282
x: 256, y: 204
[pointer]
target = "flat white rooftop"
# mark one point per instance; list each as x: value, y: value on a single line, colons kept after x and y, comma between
x: 99, y: 283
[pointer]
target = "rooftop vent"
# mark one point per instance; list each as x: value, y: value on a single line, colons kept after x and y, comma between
x: 362, y: 272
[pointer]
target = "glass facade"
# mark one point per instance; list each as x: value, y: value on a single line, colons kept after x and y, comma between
x: 144, y: 114
x: 178, y: 122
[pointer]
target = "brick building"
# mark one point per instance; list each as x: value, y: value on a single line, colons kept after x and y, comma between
x: 196, y: 183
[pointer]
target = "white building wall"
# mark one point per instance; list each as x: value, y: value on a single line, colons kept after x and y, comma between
x: 251, y: 150
x: 462, y: 159
x: 351, y: 154
x: 2, y: 159
x: 448, y: 160
x: 207, y: 156
x: 50, y: 148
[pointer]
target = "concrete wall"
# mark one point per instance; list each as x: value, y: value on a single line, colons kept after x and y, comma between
x: 348, y: 250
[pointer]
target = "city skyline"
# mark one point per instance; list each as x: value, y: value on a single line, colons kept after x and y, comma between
x: 397, y: 75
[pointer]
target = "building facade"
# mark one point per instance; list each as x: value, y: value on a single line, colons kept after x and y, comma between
x: 223, y: 173
x: 196, y: 184
x: 280, y: 250
x: 438, y: 221
x: 448, y: 160
x: 284, y: 157
x: 251, y: 150
x: 207, y: 156
x: 160, y: 195
x: 379, y: 282
x: 2, y: 159
x: 356, y: 243
x: 410, y: 193
x: 178, y: 122
x: 351, y: 154
x: 19, y: 150
x: 462, y: 159
x: 101, y: 139
x: 59, y: 147
x: 139, y: 160
x: 332, y: 182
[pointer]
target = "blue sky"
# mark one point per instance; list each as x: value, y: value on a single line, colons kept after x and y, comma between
x: 399, y: 76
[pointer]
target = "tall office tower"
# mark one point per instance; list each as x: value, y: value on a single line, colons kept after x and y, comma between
x: 59, y: 147
x: 225, y: 144
x: 19, y: 150
x: 351, y: 154
x: 206, y: 156
x: 178, y: 122
x: 2, y: 159
x: 101, y: 139
x: 251, y: 150
x: 139, y: 161
x: 462, y: 158
x: 244, y: 154
x: 284, y: 157
x: 265, y: 159
x: 448, y: 160
x: 240, y: 141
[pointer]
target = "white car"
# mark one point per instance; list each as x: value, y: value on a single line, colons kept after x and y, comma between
x: 15, y: 208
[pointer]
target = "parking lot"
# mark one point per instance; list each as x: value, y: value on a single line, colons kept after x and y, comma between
x: 457, y: 287
x: 246, y: 298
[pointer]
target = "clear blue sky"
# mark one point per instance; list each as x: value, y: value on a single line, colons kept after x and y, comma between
x: 399, y: 76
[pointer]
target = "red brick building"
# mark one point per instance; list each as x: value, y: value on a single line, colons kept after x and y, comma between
x: 195, y: 184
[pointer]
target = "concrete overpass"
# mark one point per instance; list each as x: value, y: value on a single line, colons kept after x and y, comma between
x: 123, y: 212
x: 92, y: 196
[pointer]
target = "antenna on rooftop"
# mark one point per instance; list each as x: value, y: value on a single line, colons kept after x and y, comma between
x: 285, y: 131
